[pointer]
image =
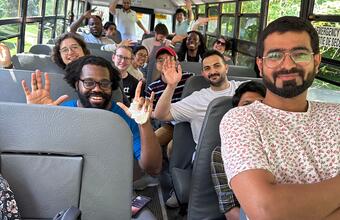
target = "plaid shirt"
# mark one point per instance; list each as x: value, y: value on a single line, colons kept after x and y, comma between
x: 226, y: 198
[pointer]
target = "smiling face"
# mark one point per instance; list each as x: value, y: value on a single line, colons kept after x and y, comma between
x: 122, y: 59
x: 70, y: 50
x: 96, y: 97
x: 215, y: 70
x: 126, y: 4
x: 193, y: 41
x: 96, y: 27
x: 288, y: 79
x: 140, y: 57
x: 219, y: 45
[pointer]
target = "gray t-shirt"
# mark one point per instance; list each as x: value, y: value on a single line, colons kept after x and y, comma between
x: 193, y: 108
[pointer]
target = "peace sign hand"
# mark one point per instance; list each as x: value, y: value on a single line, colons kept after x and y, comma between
x: 141, y: 108
x: 39, y: 93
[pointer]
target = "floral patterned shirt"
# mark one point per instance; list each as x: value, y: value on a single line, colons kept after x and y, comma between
x: 8, y: 206
x: 296, y: 147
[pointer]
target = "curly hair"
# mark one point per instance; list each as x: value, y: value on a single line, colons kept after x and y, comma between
x: 56, y: 56
x: 183, y: 49
x: 74, y: 70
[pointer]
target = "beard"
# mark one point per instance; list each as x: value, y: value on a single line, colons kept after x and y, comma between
x: 219, y: 82
x: 84, y: 99
x: 289, y: 88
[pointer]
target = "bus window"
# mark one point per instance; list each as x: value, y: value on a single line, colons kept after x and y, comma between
x: 34, y: 8
x: 326, y: 7
x: 48, y: 30
x: 164, y: 19
x: 145, y: 19
x: 50, y: 7
x: 250, y: 7
x: 60, y: 27
x: 31, y: 35
x: 244, y: 60
x: 228, y: 19
x: 61, y: 8
x: 213, y: 19
x: 106, y: 12
x: 249, y: 28
x: 292, y: 8
x: 9, y: 9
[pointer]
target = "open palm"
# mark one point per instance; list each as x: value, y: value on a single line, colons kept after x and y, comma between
x: 172, y: 74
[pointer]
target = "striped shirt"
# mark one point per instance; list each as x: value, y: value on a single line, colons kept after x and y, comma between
x: 159, y: 86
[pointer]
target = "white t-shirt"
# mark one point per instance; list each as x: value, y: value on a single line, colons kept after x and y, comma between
x: 193, y: 107
x: 126, y: 24
x: 296, y: 147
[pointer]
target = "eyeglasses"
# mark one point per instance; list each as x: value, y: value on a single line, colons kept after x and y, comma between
x: 91, y: 84
x: 220, y: 42
x: 72, y: 48
x: 275, y: 59
x: 142, y: 55
x: 161, y: 60
x: 120, y: 57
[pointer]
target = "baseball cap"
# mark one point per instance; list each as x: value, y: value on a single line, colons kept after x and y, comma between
x: 168, y: 50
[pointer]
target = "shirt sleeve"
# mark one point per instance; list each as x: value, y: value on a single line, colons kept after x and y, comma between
x: 184, y: 110
x: 241, y: 144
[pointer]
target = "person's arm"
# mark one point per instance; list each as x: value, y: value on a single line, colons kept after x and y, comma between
x: 5, y: 57
x: 151, y: 154
x: 75, y: 25
x: 40, y: 94
x: 263, y: 199
x: 199, y: 22
x: 142, y: 27
x: 172, y: 76
x: 112, y: 7
x: 188, y: 6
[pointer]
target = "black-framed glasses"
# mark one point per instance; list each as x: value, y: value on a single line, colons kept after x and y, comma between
x: 91, y: 84
x: 276, y: 58
x: 72, y: 48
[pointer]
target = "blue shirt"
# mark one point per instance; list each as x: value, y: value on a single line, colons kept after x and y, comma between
x: 131, y: 123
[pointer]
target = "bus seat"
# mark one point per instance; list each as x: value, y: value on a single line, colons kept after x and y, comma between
x: 51, y: 41
x: 202, y: 188
x: 193, y: 67
x: 242, y: 71
x: 151, y: 72
x: 184, y: 146
x: 93, y: 46
x: 107, y: 55
x: 11, y: 90
x: 146, y: 36
x: 55, y: 157
x: 35, y: 61
x: 238, y: 78
x: 41, y: 49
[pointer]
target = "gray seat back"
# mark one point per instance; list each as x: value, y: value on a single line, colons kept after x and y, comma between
x: 107, y: 55
x: 194, y: 67
x: 241, y: 71
x: 93, y: 46
x: 55, y: 157
x: 34, y: 61
x: 11, y: 90
x: 42, y: 49
x: 202, y: 188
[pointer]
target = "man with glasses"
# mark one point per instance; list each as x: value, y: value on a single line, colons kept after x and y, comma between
x: 94, y: 79
x: 122, y: 59
x: 281, y: 155
x: 126, y: 19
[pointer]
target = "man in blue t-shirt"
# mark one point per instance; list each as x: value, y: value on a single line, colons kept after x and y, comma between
x: 94, y: 79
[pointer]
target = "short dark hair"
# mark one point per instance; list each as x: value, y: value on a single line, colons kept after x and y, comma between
x: 289, y: 23
x: 250, y: 86
x: 227, y: 45
x: 108, y: 24
x: 211, y: 53
x: 161, y: 29
x: 74, y: 70
x: 181, y: 10
x: 56, y: 56
x: 138, y: 48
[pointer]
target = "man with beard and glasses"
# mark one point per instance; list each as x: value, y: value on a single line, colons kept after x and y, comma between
x: 281, y: 155
x: 94, y: 79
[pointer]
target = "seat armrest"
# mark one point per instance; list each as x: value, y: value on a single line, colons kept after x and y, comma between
x: 181, y: 179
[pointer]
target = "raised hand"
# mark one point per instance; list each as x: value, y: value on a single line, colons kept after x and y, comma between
x: 141, y: 108
x: 172, y: 74
x: 87, y: 14
x: 188, y: 4
x: 5, y: 56
x: 40, y: 94
x: 127, y: 43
